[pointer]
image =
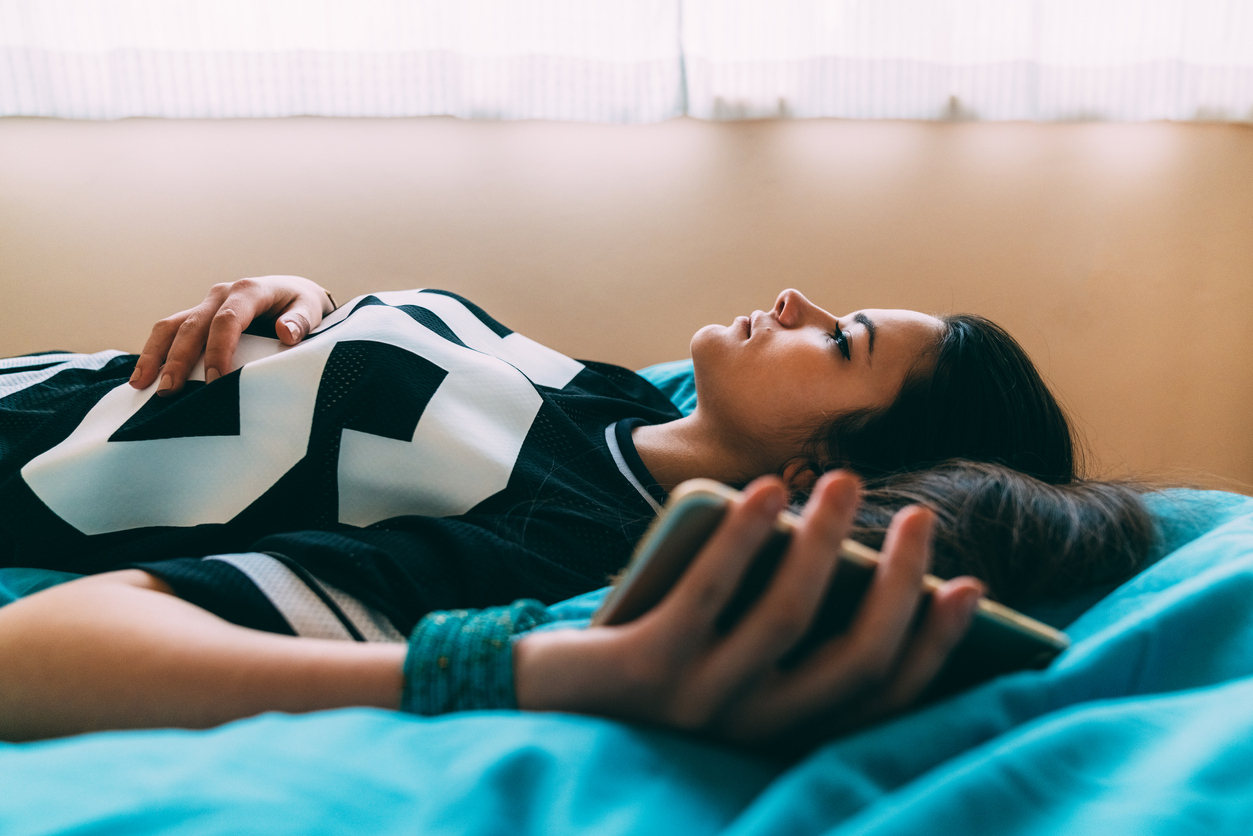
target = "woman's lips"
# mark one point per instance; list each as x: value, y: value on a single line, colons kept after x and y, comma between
x: 746, y: 324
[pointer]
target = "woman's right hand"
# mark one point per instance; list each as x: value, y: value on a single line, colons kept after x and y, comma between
x: 213, y: 328
x: 674, y: 667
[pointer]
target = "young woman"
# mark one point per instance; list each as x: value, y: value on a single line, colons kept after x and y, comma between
x: 407, y: 454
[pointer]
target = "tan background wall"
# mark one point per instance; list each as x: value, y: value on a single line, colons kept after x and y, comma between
x: 1120, y: 255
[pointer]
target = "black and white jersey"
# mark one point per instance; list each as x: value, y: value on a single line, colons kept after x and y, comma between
x: 410, y: 454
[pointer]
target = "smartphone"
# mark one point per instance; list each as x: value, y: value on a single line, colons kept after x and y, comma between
x: 1000, y: 640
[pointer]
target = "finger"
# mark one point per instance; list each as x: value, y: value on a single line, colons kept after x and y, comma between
x: 247, y: 300
x: 786, y: 609
x: 886, y: 614
x: 187, y: 341
x: 858, y: 661
x: 298, y: 319
x: 952, y: 608
x: 695, y: 602
x: 948, y: 618
x: 155, y: 350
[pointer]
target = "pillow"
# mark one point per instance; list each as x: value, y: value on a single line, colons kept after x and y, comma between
x: 676, y: 381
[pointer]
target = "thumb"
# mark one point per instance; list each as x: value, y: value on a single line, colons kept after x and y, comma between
x: 296, y: 321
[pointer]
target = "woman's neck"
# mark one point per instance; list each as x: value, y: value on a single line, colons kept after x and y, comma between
x: 691, y: 447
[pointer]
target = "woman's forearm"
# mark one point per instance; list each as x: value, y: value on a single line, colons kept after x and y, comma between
x: 118, y: 651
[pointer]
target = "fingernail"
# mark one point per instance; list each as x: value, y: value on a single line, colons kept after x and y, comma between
x: 293, y: 328
x: 166, y: 383
x: 135, y: 374
x: 211, y: 375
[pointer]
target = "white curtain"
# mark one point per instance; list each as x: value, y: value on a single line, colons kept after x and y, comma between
x: 970, y: 59
x: 591, y: 60
x: 629, y: 60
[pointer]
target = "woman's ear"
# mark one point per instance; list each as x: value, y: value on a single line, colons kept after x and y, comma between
x: 799, y: 475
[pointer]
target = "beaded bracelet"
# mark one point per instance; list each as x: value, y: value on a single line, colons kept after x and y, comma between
x: 462, y: 660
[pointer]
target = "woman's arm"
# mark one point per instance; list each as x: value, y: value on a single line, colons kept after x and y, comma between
x: 213, y: 327
x: 118, y: 650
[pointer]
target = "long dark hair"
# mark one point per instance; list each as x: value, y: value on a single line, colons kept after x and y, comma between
x: 1028, y: 540
x: 975, y: 395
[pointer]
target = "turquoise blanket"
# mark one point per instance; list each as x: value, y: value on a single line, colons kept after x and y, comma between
x: 1144, y: 726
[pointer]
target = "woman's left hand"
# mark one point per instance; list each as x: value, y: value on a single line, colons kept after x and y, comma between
x: 673, y: 667
x: 213, y: 328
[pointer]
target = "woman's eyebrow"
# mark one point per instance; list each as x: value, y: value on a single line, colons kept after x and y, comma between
x: 870, y: 327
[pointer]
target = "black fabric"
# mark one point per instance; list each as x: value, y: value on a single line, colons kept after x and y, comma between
x: 622, y: 430
x: 214, y: 412
x: 566, y: 521
x: 220, y: 588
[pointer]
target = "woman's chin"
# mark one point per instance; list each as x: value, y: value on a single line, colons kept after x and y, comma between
x: 708, y: 344
x: 708, y: 331
x: 699, y: 340
x: 716, y: 334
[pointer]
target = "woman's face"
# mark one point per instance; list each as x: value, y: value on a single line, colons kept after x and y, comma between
x: 775, y: 377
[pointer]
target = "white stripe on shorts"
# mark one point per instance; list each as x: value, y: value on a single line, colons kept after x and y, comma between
x: 303, y: 609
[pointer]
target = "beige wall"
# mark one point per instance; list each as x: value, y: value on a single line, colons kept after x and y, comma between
x: 1121, y: 255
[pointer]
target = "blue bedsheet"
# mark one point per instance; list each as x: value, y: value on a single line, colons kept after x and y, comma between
x: 1144, y: 726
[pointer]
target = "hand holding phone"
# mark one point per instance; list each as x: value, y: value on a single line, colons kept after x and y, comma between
x: 1000, y: 639
x: 676, y: 665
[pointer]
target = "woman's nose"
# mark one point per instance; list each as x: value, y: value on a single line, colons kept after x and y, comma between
x: 792, y: 308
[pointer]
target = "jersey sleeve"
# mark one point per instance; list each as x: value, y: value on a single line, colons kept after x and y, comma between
x: 400, y: 570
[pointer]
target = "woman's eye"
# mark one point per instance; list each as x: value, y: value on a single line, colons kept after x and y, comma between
x: 841, y: 342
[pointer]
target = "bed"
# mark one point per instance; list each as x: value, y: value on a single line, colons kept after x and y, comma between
x: 1144, y: 726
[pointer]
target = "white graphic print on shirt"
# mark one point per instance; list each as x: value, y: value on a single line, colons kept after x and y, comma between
x: 481, y: 404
